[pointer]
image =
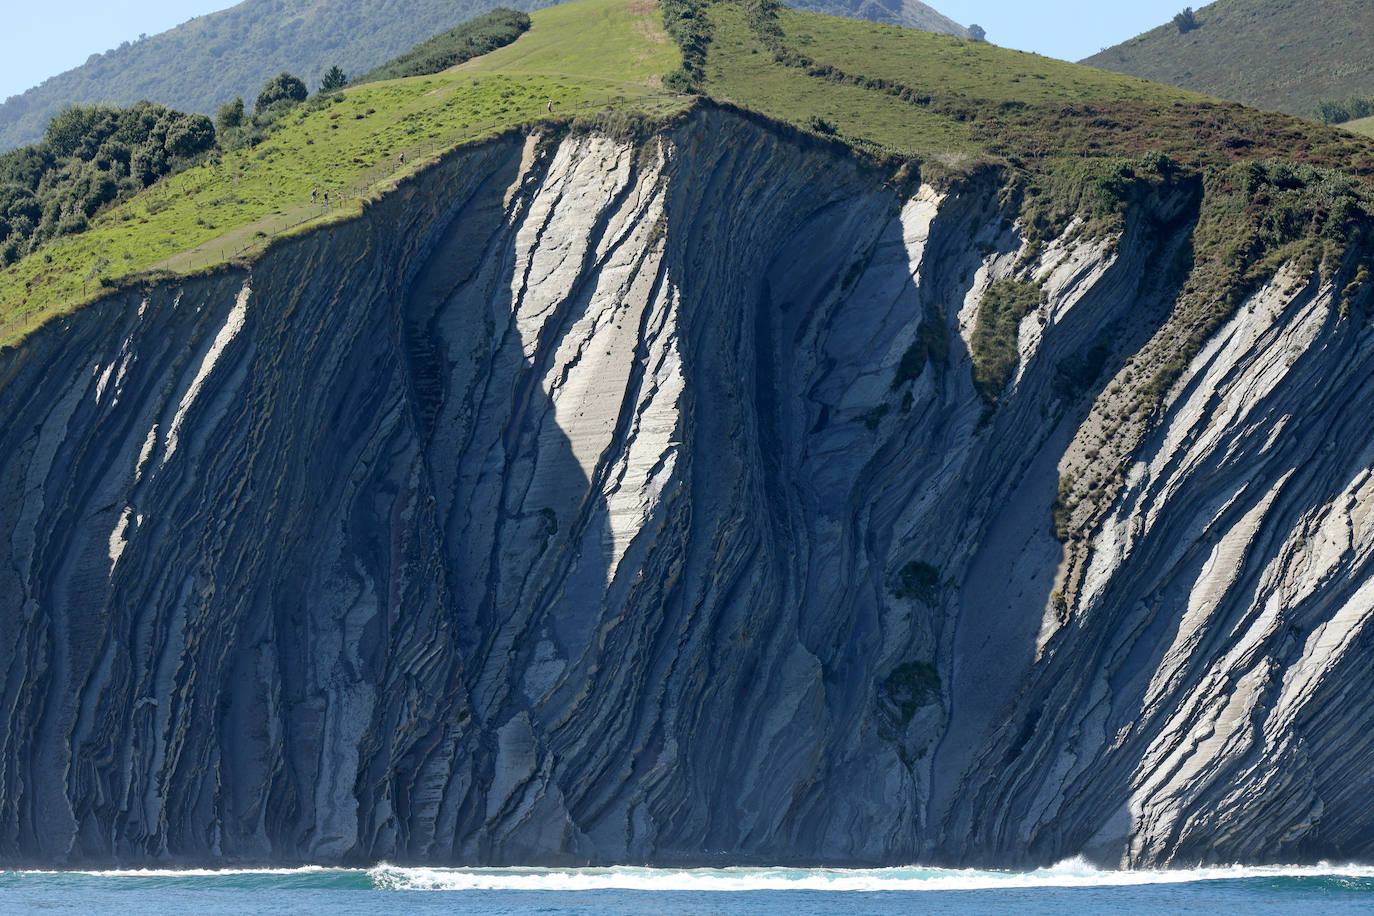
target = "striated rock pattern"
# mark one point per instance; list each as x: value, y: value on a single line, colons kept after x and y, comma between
x: 603, y: 501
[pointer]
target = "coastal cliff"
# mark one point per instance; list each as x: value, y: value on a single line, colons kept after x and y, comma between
x: 596, y: 498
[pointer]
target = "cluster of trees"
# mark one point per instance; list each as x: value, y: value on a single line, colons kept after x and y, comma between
x: 1335, y: 111
x: 93, y: 156
x: 1186, y: 20
x: 279, y: 95
x: 90, y: 157
x: 471, y: 39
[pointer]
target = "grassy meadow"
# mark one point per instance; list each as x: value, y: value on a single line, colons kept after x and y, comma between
x: 348, y: 146
x: 1363, y: 126
x: 1066, y: 134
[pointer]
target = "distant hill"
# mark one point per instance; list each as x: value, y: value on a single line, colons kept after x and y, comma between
x: 1276, y: 54
x: 210, y: 59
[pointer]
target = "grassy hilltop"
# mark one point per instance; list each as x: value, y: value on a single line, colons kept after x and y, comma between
x: 1069, y: 138
x: 209, y: 59
x: 581, y: 58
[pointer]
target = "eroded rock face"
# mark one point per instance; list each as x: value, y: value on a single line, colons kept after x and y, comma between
x: 587, y: 501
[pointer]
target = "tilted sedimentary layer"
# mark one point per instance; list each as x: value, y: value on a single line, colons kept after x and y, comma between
x: 583, y: 502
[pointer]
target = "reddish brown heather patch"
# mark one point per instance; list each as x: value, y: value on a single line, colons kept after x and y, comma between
x: 1198, y: 134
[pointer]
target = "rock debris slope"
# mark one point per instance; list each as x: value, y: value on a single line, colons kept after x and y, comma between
x: 603, y: 501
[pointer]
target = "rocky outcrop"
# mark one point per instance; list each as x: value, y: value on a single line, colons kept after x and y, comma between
x: 596, y: 500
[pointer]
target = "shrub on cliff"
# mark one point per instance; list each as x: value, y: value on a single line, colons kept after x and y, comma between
x: 911, y: 686
x: 993, y: 346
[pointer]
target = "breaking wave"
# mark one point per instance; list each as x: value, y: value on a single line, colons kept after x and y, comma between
x: 1070, y: 873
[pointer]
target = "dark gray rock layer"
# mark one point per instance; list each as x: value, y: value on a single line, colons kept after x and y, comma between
x: 576, y: 504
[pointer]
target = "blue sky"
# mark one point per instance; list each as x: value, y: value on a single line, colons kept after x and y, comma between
x: 45, y: 37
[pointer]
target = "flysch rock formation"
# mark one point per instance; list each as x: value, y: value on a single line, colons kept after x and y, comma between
x: 576, y: 505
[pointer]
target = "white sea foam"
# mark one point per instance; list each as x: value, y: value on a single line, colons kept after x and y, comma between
x: 1070, y: 873
x: 1067, y: 874
x: 189, y: 872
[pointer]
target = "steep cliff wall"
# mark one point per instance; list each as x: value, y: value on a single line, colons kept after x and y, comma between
x: 596, y: 500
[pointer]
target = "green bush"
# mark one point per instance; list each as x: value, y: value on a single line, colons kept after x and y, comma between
x: 281, y: 90
x: 1334, y: 111
x: 821, y: 125
x: 993, y: 344
x: 334, y: 80
x: 189, y: 135
x: 230, y: 115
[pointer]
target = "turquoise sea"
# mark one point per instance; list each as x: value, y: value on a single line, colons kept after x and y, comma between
x: 1068, y: 888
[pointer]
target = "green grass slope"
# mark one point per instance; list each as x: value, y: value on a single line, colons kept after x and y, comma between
x: 1362, y: 126
x: 943, y: 99
x: 1066, y: 139
x: 603, y: 52
x: 1276, y: 54
x: 210, y: 59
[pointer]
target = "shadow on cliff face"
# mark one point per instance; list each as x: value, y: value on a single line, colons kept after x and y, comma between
x: 524, y: 518
x: 998, y: 760
x: 271, y: 656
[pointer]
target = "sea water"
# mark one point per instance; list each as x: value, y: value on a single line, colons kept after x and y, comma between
x: 1068, y: 888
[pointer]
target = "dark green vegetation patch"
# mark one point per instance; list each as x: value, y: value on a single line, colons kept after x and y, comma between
x: 687, y: 24
x: 485, y: 33
x: 919, y: 580
x: 911, y: 686
x: 993, y: 348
